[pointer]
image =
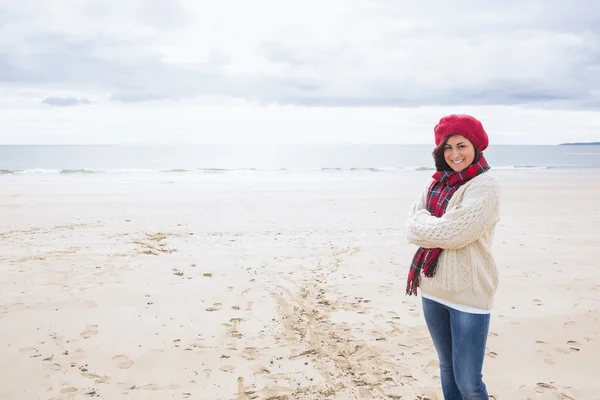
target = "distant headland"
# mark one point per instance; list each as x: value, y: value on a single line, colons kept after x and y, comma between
x: 581, y: 144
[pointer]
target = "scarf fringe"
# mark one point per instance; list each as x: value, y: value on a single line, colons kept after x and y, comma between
x: 414, y: 282
x: 412, y: 285
x: 430, y: 272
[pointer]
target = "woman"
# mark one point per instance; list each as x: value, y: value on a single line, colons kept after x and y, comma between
x: 453, y: 222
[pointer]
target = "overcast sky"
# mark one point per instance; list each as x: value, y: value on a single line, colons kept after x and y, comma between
x: 384, y: 71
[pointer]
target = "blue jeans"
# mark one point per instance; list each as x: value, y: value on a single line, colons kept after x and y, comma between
x: 459, y: 339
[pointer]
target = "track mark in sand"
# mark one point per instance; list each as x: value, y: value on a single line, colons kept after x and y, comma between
x: 215, y: 307
x: 350, y: 367
x: 548, y: 388
x: 429, y: 396
x: 414, y: 313
x: 243, y: 394
x: 435, y: 364
x: 89, y: 375
x: 125, y: 386
x: 542, y: 387
x: 68, y: 389
x: 227, y: 368
x: 123, y: 361
x: 52, y: 366
x: 537, y: 302
x: 393, y: 315
x: 364, y: 393
x: 547, y: 357
x: 573, y: 345
x: 67, y: 392
x: 32, y: 351
x: 89, y: 331
x: 233, y: 328
x: 154, y: 243
x: 569, y: 323
x: 249, y: 353
x: 90, y: 304
x: 545, y: 352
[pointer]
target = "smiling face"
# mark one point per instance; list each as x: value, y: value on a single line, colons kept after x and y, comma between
x: 459, y: 152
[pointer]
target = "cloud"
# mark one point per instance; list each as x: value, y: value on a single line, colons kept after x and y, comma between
x: 360, y: 53
x: 65, y: 101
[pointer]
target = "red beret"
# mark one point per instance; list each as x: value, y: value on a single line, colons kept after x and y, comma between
x: 464, y: 125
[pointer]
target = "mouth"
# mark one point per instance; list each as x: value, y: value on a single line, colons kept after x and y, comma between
x: 458, y: 162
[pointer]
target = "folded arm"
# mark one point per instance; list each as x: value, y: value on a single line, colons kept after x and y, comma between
x: 460, y: 225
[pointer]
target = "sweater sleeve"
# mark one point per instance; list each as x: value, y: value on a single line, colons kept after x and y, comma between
x: 460, y: 225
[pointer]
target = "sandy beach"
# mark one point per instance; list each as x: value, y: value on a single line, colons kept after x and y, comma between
x: 292, y: 287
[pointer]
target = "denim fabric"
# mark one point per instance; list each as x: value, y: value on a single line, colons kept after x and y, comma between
x: 459, y: 339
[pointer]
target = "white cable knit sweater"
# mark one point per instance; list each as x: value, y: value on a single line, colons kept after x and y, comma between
x: 466, y: 273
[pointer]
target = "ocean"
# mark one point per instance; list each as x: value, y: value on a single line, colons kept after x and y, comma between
x: 19, y: 160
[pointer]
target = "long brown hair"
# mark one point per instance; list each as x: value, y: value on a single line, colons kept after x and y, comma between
x: 440, y: 160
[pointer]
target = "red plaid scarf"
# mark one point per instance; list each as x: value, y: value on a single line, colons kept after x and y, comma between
x: 440, y: 192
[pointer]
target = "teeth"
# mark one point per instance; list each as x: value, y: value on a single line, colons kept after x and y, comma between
x: 458, y: 162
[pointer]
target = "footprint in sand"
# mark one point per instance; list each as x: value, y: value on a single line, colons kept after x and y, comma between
x: 215, y: 307
x: 123, y: 362
x: 547, y: 356
x: 537, y: 302
x: 32, y: 350
x: 89, y: 331
x: 68, y: 389
x: 125, y: 386
x: 543, y: 387
x: 492, y: 354
x: 393, y: 314
x: 233, y: 328
x: 365, y: 393
x: 90, y: 304
x: 573, y: 346
x: 241, y: 388
x: 227, y: 368
x: 52, y: 366
x: 547, y: 388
